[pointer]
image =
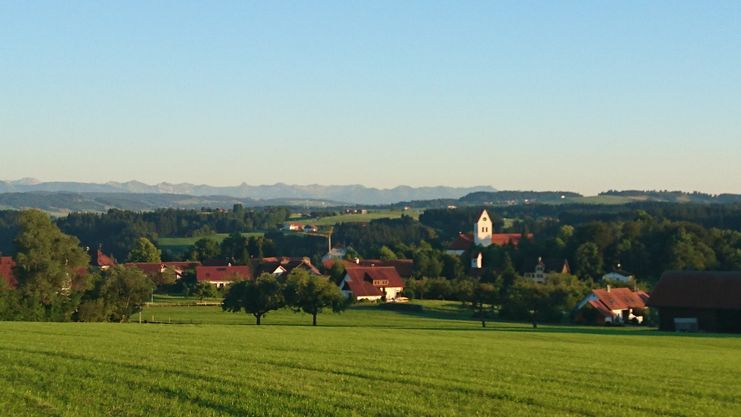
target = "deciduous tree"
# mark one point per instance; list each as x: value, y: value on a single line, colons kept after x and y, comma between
x: 51, y: 266
x: 257, y: 297
x: 312, y: 294
x: 205, y: 249
x: 144, y: 251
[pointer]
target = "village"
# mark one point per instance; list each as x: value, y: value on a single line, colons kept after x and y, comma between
x: 680, y: 301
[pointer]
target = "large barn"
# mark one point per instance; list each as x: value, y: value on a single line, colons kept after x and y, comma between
x: 707, y: 301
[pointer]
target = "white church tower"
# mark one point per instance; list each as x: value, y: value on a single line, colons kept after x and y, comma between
x: 482, y: 230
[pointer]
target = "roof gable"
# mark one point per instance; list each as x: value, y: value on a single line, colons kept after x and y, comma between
x: 712, y: 289
x: 621, y: 298
x: 370, y: 281
x: 223, y: 273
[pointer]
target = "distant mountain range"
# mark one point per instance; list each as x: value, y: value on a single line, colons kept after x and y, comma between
x: 344, y: 194
x: 63, y: 197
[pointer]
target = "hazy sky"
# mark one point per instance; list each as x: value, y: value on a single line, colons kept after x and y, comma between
x: 574, y: 95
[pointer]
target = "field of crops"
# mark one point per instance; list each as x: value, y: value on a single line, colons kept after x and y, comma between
x: 364, y: 362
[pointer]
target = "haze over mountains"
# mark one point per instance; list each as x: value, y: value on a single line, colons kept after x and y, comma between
x: 342, y: 194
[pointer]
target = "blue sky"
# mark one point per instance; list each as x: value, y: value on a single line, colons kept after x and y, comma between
x: 574, y: 95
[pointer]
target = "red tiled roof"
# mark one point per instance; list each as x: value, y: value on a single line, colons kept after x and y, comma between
x: 691, y: 289
x: 303, y: 263
x: 464, y: 241
x: 270, y: 264
x: 369, y: 281
x: 601, y: 308
x: 223, y: 273
x: 501, y: 239
x: 102, y: 259
x: 154, y: 268
x: 182, y: 265
x: 405, y: 267
x: 621, y: 298
x: 6, y: 270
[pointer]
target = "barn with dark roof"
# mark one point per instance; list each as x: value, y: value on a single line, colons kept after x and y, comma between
x: 708, y: 301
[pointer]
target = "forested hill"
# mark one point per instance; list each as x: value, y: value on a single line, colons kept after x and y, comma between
x: 611, y: 197
x: 61, y: 203
x: 674, y: 196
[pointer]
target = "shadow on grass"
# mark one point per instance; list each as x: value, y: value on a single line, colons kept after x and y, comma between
x: 457, y: 315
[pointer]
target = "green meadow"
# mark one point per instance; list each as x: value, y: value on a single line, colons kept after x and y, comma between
x: 358, y: 218
x: 363, y: 362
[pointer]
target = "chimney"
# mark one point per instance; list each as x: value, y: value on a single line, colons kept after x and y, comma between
x: 608, y: 287
x: 357, y: 261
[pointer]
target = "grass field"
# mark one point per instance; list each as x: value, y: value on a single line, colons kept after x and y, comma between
x: 360, y: 218
x: 364, y: 362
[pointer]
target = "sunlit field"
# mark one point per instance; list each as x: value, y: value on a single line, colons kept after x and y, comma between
x: 364, y: 362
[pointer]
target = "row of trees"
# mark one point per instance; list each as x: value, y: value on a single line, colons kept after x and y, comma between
x: 235, y: 247
x: 117, y: 230
x: 299, y: 291
x: 508, y: 297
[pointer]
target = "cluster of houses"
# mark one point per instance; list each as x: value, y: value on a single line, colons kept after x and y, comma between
x: 364, y: 280
x: 215, y: 272
x: 685, y: 301
x: 298, y: 227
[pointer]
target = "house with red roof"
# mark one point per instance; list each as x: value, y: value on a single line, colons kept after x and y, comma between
x: 405, y: 267
x: 612, y: 306
x: 284, y: 265
x: 373, y: 283
x: 103, y: 261
x: 6, y: 271
x: 223, y: 276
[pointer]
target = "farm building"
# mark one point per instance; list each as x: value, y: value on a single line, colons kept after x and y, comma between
x: 152, y: 269
x: 222, y: 276
x: 284, y: 265
x: 372, y: 283
x: 405, y: 267
x: 612, y: 306
x: 6, y: 271
x: 708, y: 301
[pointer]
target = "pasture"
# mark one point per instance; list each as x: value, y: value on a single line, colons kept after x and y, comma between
x: 364, y: 362
x: 359, y: 218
